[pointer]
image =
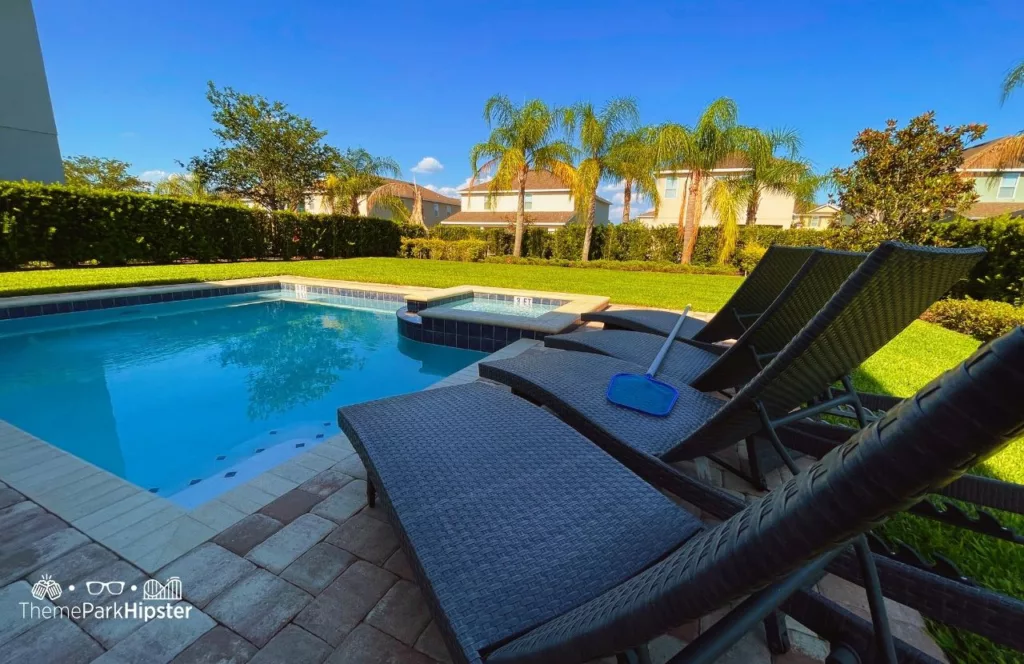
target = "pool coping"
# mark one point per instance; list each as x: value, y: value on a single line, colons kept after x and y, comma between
x: 146, y: 529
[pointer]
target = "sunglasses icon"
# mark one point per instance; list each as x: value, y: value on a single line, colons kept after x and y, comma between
x: 97, y: 587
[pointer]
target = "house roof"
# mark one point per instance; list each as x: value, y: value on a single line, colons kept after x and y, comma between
x: 733, y: 161
x: 646, y: 215
x: 985, y: 210
x: 990, y: 155
x: 824, y: 208
x: 405, y: 190
x: 535, y: 180
x: 505, y: 218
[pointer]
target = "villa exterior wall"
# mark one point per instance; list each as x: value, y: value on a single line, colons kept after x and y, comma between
x: 988, y: 185
x: 774, y: 210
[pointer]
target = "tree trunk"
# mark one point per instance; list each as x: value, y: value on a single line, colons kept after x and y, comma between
x: 752, y: 205
x: 517, y: 250
x: 590, y: 226
x: 627, y: 196
x: 692, y: 225
x: 354, y: 208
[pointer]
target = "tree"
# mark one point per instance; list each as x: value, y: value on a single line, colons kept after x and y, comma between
x: 700, y: 150
x: 634, y: 160
x: 599, y: 132
x: 1010, y: 150
x: 101, y: 173
x: 771, y: 171
x: 522, y: 139
x: 1014, y: 79
x: 904, y: 179
x: 360, y: 175
x: 267, y: 154
x: 193, y: 184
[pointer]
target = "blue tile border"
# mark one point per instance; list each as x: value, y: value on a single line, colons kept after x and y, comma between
x: 460, y: 334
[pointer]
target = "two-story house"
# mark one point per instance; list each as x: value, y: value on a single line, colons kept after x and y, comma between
x: 674, y: 189
x: 548, y: 204
x: 436, y: 207
x: 997, y: 181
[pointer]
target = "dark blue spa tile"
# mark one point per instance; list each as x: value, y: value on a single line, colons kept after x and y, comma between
x: 487, y: 345
x: 428, y: 337
x: 474, y: 329
x: 461, y: 328
x: 498, y: 345
x: 487, y: 331
x: 475, y: 343
x: 16, y: 312
x: 65, y: 307
x: 461, y: 341
x: 450, y: 327
x: 499, y: 334
x: 3, y: 313
x: 512, y: 334
x: 450, y: 340
x: 526, y: 334
x: 92, y: 305
x: 33, y: 310
x: 49, y: 308
x: 417, y: 332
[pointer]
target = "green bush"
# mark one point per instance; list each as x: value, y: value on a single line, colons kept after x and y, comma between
x: 448, y: 250
x: 624, y: 266
x: 747, y: 258
x: 982, y: 319
x: 68, y: 226
x: 1000, y: 276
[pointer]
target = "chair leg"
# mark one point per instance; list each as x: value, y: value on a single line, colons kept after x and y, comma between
x: 639, y: 655
x: 371, y: 494
x: 842, y: 654
x: 776, y: 633
x: 757, y: 477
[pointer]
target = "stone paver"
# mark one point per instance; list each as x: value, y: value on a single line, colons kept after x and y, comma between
x: 159, y: 641
x: 318, y: 567
x: 29, y: 531
x: 206, y: 571
x: 399, y: 564
x: 352, y: 465
x: 344, y: 603
x: 326, y: 483
x: 402, y: 613
x: 55, y: 640
x: 218, y: 646
x: 366, y: 537
x: 343, y: 503
x: 258, y: 606
x: 365, y: 645
x: 13, y: 622
x: 247, y: 533
x: 111, y: 632
x: 9, y: 497
x: 285, y: 546
x: 293, y: 645
x: 75, y: 565
x: 38, y: 553
x: 291, y: 505
x: 18, y: 512
x: 431, y: 644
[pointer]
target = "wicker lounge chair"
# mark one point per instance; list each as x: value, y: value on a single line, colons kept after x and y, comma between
x: 709, y: 367
x: 532, y: 545
x: 776, y: 268
x: 887, y: 292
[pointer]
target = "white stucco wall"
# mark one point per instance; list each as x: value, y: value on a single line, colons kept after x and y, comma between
x: 774, y: 210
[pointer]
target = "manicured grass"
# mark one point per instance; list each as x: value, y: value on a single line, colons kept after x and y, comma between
x: 913, y: 358
x: 655, y: 289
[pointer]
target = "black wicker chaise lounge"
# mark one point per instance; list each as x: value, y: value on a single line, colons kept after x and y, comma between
x: 532, y: 545
x: 776, y: 268
x: 709, y: 367
x: 887, y: 292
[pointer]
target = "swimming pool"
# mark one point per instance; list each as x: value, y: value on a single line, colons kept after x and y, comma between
x: 526, y: 307
x: 169, y: 395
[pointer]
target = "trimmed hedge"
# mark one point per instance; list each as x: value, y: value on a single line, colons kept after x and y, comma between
x: 623, y: 266
x: 68, y: 226
x: 446, y: 250
x: 1000, y: 276
x: 982, y: 319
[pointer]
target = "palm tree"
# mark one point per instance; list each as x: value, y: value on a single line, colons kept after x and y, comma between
x: 361, y: 175
x: 1014, y: 79
x: 1009, y: 151
x: 522, y: 139
x: 186, y: 185
x: 633, y: 159
x: 700, y: 150
x: 769, y: 171
x: 599, y: 132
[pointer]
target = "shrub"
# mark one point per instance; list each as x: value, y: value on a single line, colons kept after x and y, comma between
x: 625, y: 266
x: 448, y: 250
x: 68, y: 226
x: 1000, y: 276
x: 747, y: 258
x: 982, y: 319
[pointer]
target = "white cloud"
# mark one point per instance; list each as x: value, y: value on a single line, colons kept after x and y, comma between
x: 428, y: 165
x: 155, y: 175
x: 451, y: 192
x: 614, y: 186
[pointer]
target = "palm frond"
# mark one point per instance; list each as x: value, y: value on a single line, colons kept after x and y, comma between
x: 725, y: 200
x: 1014, y: 79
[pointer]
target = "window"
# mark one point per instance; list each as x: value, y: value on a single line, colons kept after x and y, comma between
x: 302, y: 205
x: 447, y: 210
x: 528, y: 203
x: 437, y: 209
x: 1008, y: 186
x: 814, y: 222
x: 671, y: 187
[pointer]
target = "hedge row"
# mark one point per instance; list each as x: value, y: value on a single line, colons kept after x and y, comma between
x: 1000, y: 276
x: 982, y: 319
x: 67, y: 226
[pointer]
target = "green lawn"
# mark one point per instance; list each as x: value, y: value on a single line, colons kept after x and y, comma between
x: 656, y: 289
x: 907, y: 363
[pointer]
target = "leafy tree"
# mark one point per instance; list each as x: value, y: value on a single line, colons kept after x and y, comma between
x: 599, y: 132
x: 101, y: 173
x: 522, y: 139
x: 904, y: 179
x: 193, y: 184
x: 634, y: 160
x: 700, y: 149
x: 267, y: 154
x: 359, y: 175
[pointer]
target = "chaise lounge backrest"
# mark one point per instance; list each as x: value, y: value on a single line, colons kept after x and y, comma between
x: 921, y: 445
x: 815, y: 282
x: 886, y: 293
x: 776, y: 268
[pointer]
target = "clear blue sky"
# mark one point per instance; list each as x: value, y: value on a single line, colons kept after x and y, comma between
x: 409, y: 79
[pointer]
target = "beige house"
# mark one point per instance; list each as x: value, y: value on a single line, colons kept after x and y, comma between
x: 436, y: 207
x: 998, y: 183
x: 674, y: 188
x: 28, y: 134
x: 817, y: 218
x: 549, y: 204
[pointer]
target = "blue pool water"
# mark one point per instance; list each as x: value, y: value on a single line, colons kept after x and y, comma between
x: 528, y: 309
x: 165, y: 394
